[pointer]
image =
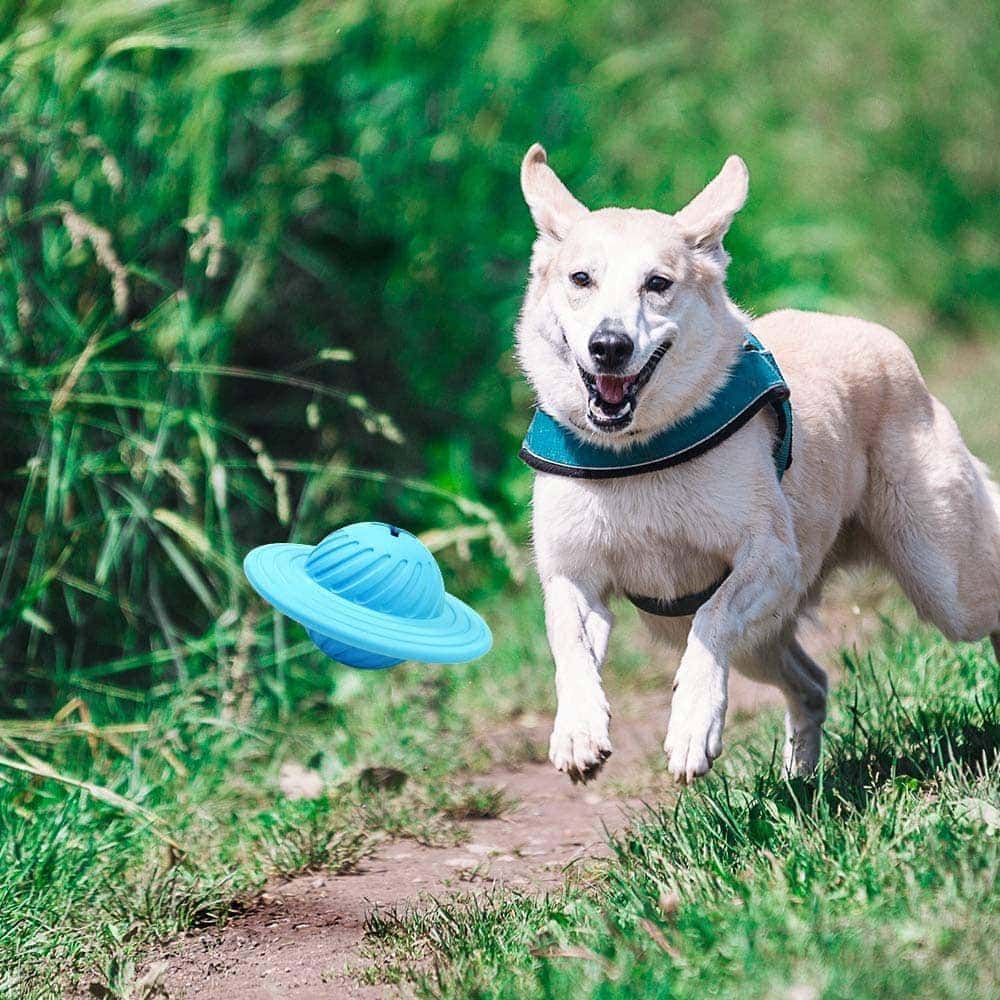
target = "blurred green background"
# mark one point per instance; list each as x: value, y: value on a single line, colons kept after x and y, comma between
x: 260, y: 264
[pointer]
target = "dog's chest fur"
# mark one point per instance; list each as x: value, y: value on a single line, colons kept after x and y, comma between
x: 660, y: 534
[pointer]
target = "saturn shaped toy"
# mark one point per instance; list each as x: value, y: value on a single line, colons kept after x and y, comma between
x: 370, y: 595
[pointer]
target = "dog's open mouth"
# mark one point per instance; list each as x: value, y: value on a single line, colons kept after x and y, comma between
x: 613, y: 397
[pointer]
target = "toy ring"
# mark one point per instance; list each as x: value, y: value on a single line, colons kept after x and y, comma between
x: 370, y: 595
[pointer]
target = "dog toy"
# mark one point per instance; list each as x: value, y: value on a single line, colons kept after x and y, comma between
x: 370, y: 595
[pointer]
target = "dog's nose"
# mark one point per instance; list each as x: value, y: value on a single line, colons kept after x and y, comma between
x: 610, y: 349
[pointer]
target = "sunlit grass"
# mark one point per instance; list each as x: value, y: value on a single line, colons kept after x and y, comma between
x: 875, y: 880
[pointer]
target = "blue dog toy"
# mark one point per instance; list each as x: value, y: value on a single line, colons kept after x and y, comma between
x: 370, y: 595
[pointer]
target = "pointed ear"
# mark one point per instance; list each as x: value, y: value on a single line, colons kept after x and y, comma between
x: 551, y: 205
x: 707, y: 217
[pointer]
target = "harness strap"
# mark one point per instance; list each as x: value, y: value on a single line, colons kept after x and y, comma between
x: 754, y: 381
x: 679, y: 606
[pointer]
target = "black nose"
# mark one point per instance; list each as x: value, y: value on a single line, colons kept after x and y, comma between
x: 610, y: 349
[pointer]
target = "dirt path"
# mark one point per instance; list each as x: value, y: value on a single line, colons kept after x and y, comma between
x: 303, y: 938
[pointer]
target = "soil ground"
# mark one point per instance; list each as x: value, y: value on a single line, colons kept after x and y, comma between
x: 303, y: 938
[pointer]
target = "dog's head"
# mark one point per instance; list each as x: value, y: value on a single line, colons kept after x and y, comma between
x: 626, y: 318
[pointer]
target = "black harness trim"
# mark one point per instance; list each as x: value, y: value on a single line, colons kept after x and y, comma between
x: 679, y: 606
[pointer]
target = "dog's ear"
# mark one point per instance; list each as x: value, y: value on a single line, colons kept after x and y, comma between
x: 706, y: 219
x: 551, y: 205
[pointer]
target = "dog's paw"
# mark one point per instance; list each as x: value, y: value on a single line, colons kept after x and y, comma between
x: 580, y: 743
x: 694, y: 736
x: 801, y: 754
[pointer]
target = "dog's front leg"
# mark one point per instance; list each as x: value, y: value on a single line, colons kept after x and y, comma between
x: 578, y: 624
x: 758, y: 594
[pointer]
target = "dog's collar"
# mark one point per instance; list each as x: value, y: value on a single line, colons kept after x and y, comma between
x: 754, y: 382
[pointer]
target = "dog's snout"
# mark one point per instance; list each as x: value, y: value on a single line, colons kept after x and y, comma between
x: 610, y: 348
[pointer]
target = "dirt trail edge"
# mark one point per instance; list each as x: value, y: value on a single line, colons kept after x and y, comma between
x: 303, y: 937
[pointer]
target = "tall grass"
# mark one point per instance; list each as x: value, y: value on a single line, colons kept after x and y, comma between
x: 136, y: 508
x: 163, y: 189
x: 147, y: 697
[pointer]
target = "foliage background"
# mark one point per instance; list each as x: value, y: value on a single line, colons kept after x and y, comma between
x: 198, y: 197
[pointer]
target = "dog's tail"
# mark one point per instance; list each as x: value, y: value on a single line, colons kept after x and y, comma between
x: 994, y: 492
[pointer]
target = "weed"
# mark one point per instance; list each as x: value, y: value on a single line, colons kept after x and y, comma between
x: 471, y: 801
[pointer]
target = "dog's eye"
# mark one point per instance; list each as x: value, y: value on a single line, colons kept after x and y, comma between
x: 657, y: 283
x: 580, y: 278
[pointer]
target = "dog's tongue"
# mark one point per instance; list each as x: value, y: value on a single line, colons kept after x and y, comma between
x: 612, y: 387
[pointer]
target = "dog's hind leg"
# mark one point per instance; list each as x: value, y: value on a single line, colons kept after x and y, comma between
x: 805, y: 690
x: 934, y: 516
x: 803, y: 682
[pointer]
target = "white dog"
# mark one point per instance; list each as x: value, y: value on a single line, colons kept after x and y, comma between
x: 627, y: 336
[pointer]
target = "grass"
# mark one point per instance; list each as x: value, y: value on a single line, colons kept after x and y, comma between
x: 876, y: 880
x: 149, y: 699
x: 164, y: 822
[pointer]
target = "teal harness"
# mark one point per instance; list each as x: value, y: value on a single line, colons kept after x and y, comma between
x: 754, y: 382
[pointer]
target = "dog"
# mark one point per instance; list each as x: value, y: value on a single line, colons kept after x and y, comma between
x: 626, y: 331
